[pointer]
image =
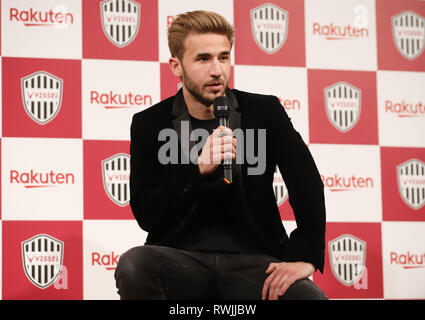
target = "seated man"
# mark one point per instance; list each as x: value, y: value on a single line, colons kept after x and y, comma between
x: 208, y: 239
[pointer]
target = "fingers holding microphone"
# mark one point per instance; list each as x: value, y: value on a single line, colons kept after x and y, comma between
x: 220, y: 146
x: 227, y: 144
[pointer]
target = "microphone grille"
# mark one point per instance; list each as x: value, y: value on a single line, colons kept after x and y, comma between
x: 221, y: 106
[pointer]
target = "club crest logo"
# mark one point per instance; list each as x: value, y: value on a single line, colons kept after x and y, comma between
x: 269, y: 25
x: 411, y: 183
x: 280, y: 191
x: 347, y: 255
x: 343, y: 105
x: 120, y: 21
x: 116, y: 177
x: 42, y: 96
x: 42, y: 257
x: 408, y: 30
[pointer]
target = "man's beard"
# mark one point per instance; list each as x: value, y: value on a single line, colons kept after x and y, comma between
x: 195, y: 89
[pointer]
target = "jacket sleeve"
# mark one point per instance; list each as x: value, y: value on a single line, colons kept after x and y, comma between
x: 159, y: 203
x: 305, y: 188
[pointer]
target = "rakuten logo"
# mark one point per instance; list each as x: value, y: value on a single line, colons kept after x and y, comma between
x: 339, y: 32
x: 408, y: 260
x: 111, y: 100
x: 348, y: 183
x: 34, y: 179
x: 403, y: 109
x: 33, y: 18
x: 290, y: 104
x: 109, y: 261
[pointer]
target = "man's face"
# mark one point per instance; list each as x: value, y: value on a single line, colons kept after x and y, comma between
x: 206, y: 66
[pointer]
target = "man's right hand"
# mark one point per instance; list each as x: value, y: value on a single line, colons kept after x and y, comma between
x: 220, y: 145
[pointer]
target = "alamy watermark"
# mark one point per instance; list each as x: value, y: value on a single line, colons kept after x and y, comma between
x: 245, y: 147
x: 360, y: 16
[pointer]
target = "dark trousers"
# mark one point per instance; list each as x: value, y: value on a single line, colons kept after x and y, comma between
x: 163, y: 273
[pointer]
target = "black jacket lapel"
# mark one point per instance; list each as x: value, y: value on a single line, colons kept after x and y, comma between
x: 181, y: 114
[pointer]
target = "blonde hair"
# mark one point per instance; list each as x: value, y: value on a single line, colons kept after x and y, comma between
x: 198, y: 22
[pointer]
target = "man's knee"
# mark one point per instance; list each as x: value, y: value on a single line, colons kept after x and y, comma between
x: 135, y: 261
x: 136, y: 275
x: 304, y: 289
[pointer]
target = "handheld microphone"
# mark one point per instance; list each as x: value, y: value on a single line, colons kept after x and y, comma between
x: 221, y: 111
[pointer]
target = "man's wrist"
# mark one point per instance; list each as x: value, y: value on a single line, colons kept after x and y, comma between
x: 311, y: 268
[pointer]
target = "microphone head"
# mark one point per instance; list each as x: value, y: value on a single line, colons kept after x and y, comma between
x: 221, y: 106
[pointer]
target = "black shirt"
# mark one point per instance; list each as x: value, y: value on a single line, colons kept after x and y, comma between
x: 219, y: 224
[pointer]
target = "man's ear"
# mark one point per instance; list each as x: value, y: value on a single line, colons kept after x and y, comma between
x: 176, y: 67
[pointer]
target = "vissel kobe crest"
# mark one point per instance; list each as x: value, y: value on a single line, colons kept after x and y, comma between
x: 120, y: 20
x: 343, y: 105
x: 411, y: 183
x: 42, y: 257
x: 42, y: 96
x: 347, y: 255
x: 269, y: 25
x: 116, y: 174
x: 409, y: 34
x: 280, y: 191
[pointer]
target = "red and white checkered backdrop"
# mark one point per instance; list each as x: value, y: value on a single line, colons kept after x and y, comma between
x: 350, y: 74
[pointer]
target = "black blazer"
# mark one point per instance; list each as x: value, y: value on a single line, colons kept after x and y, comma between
x: 163, y: 197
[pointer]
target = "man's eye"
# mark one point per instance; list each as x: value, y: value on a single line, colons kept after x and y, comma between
x: 224, y: 58
x: 203, y: 59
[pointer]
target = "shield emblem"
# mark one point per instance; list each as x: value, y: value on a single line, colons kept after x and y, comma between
x: 347, y: 255
x: 280, y: 191
x: 409, y: 34
x: 42, y: 96
x: 343, y: 105
x: 42, y: 257
x: 411, y: 183
x: 120, y: 20
x: 269, y: 26
x: 116, y: 177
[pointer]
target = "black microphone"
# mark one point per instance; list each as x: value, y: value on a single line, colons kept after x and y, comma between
x: 221, y: 111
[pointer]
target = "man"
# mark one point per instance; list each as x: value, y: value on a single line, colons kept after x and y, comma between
x: 208, y: 239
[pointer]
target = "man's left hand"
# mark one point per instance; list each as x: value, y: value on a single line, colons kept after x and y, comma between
x: 282, y: 275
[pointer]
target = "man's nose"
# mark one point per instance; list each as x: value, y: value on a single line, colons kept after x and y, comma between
x: 215, y: 68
